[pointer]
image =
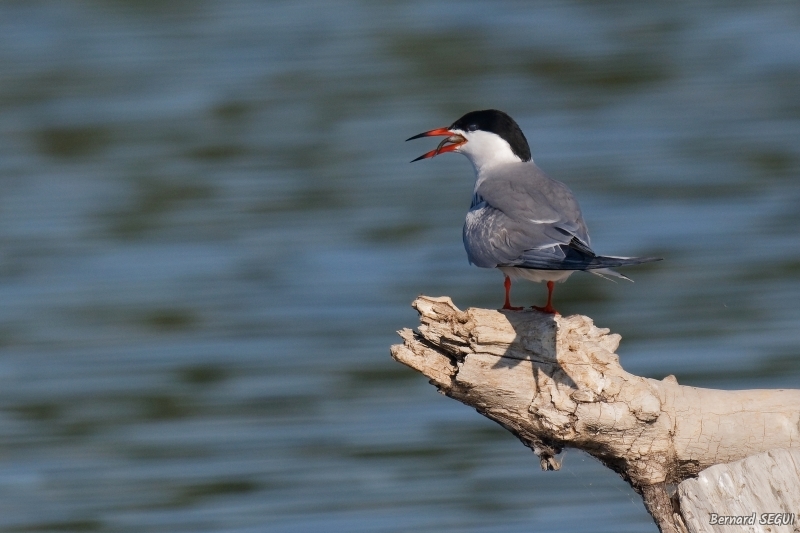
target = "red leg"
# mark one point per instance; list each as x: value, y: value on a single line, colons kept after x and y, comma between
x: 549, y: 307
x: 507, y: 304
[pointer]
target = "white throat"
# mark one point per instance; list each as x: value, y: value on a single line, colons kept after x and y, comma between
x: 485, y: 150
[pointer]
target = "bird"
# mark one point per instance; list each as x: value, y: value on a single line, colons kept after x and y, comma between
x: 520, y: 221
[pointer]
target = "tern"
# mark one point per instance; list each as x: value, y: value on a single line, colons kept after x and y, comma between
x: 520, y: 221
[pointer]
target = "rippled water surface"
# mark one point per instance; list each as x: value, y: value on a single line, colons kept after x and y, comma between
x: 209, y: 233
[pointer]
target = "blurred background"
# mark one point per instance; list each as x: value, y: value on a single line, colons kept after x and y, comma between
x: 210, y: 232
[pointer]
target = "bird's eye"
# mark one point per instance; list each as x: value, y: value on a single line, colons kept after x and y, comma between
x: 472, y: 127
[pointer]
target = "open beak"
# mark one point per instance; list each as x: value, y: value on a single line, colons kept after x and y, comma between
x: 454, y: 139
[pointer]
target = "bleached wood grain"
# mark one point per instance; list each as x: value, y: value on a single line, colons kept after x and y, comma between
x: 556, y: 382
x: 763, y: 484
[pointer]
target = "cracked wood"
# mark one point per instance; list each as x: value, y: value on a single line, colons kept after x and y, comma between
x: 555, y: 381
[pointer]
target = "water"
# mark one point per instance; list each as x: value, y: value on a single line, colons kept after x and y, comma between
x: 210, y: 232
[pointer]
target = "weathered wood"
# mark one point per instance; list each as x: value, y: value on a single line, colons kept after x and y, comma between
x: 660, y: 507
x: 763, y: 487
x: 555, y: 381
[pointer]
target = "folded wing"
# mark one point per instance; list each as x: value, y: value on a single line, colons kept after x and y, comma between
x: 522, y: 218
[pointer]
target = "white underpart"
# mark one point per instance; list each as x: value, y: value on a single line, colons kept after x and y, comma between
x: 536, y: 275
x: 557, y: 275
x: 485, y: 150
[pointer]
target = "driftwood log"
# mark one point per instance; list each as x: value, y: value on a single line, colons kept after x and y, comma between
x: 759, y: 494
x: 556, y: 382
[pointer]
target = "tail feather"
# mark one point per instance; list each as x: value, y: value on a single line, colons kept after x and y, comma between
x: 575, y: 260
x: 606, y: 272
x: 610, y: 261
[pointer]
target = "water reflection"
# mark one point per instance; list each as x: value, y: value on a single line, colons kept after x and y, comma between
x: 209, y: 232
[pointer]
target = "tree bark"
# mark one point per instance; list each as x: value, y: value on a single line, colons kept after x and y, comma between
x: 555, y: 381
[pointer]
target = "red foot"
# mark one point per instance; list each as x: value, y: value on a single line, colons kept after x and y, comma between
x: 548, y: 308
x: 507, y: 305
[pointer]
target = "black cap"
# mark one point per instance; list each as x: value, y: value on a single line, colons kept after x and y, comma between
x: 499, y: 123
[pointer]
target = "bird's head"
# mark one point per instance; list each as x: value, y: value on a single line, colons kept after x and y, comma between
x: 486, y: 137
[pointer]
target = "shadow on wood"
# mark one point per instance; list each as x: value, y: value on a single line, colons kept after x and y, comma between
x: 555, y: 381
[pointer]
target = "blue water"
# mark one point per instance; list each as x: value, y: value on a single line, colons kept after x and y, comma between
x: 210, y: 232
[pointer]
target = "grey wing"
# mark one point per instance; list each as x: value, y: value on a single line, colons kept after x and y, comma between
x: 526, y: 194
x: 493, y: 239
x: 523, y: 218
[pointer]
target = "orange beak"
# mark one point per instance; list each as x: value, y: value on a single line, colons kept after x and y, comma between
x: 453, y: 138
